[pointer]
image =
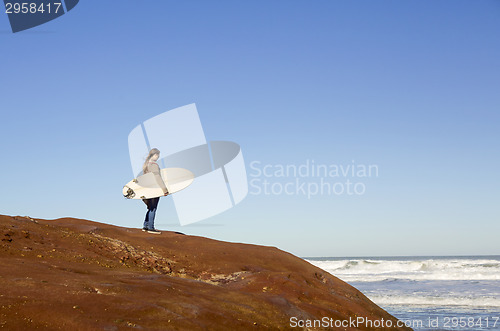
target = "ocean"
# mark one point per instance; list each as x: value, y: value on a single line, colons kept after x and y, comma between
x: 427, y: 293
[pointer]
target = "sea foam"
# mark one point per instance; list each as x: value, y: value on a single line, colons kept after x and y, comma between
x: 371, y: 270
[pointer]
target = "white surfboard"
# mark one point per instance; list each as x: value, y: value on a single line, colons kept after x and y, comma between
x: 146, y: 187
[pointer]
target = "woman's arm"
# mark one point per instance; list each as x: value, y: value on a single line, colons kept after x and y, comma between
x: 155, y: 169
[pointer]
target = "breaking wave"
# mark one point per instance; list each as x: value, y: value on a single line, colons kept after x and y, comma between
x: 368, y: 270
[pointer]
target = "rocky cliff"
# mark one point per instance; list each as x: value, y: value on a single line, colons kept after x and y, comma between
x: 74, y: 274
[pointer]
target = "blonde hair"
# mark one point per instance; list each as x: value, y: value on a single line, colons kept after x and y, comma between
x: 152, y: 153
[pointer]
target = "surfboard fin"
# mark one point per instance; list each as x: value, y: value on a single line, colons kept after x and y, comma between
x: 130, y: 194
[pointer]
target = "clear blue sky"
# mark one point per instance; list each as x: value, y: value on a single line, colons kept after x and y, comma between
x: 410, y: 86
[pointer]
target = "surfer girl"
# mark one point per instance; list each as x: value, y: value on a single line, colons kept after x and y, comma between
x: 150, y: 165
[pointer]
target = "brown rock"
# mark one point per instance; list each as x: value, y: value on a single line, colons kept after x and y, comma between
x: 73, y: 274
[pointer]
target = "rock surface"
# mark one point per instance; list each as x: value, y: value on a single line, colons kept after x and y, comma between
x: 73, y: 274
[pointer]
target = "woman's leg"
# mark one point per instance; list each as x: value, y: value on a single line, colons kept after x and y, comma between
x: 146, y: 219
x: 152, y: 206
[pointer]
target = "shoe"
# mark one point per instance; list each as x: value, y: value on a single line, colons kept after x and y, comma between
x: 154, y: 231
x: 144, y: 229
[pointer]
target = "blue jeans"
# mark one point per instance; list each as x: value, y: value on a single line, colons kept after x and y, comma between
x: 149, y: 221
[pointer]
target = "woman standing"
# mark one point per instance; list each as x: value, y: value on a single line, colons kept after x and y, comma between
x: 150, y: 165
